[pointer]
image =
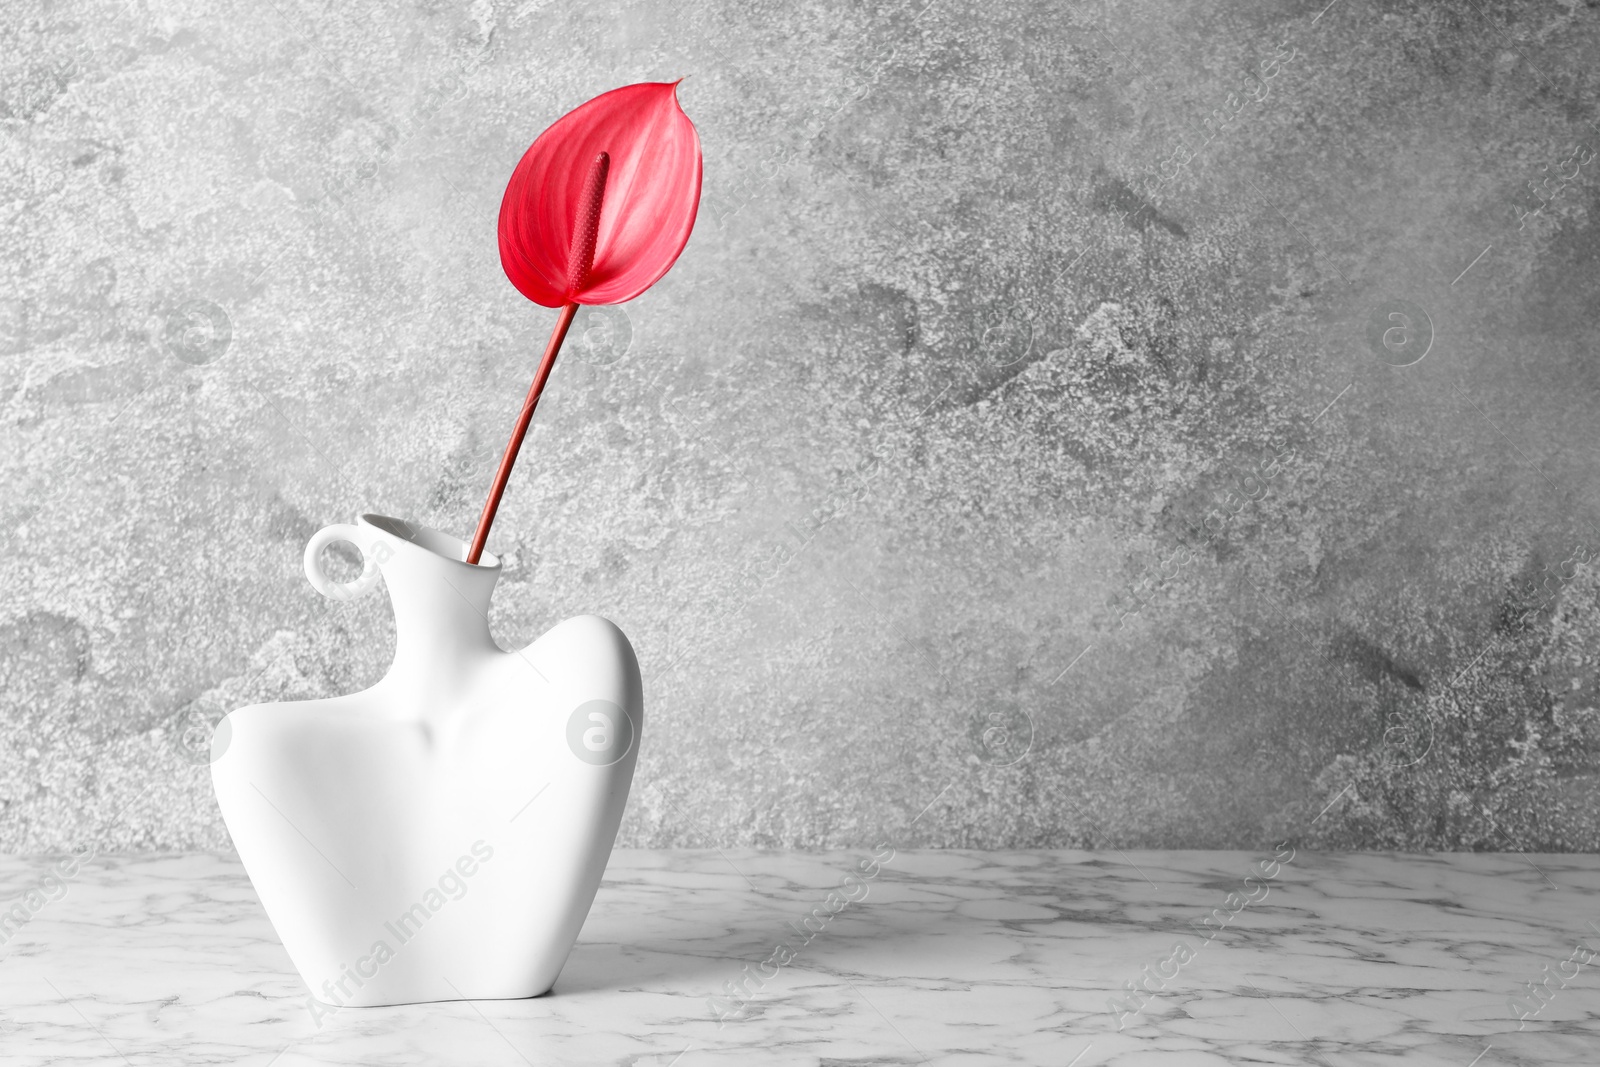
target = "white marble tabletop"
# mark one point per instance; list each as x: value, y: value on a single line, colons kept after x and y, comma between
x: 947, y: 958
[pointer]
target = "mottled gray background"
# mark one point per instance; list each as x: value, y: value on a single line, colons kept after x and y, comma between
x: 898, y: 480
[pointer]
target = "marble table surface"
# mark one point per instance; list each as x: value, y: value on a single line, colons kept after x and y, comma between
x: 943, y: 957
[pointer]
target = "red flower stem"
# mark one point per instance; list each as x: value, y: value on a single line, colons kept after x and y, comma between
x: 507, y: 461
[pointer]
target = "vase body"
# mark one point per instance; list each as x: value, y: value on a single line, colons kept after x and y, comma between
x: 441, y: 835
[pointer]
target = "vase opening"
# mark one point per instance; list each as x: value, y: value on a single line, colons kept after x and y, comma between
x: 440, y: 544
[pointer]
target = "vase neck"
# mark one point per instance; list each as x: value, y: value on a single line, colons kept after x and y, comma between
x: 441, y: 602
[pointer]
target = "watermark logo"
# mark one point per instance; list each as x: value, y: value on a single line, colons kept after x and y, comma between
x: 202, y: 734
x: 1006, y: 338
x: 198, y: 332
x: 1399, y: 333
x: 1407, y: 742
x: 1003, y: 736
x: 601, y: 334
x: 599, y: 732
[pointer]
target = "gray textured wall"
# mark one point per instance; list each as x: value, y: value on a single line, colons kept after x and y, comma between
x: 977, y: 453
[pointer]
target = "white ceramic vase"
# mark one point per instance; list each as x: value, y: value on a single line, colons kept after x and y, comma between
x: 441, y: 835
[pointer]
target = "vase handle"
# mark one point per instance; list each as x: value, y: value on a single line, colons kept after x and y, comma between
x: 373, y: 552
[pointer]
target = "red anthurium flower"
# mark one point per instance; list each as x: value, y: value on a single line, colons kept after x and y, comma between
x: 650, y: 191
x: 596, y: 212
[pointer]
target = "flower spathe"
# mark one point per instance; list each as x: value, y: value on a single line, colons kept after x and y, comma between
x: 651, y: 195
